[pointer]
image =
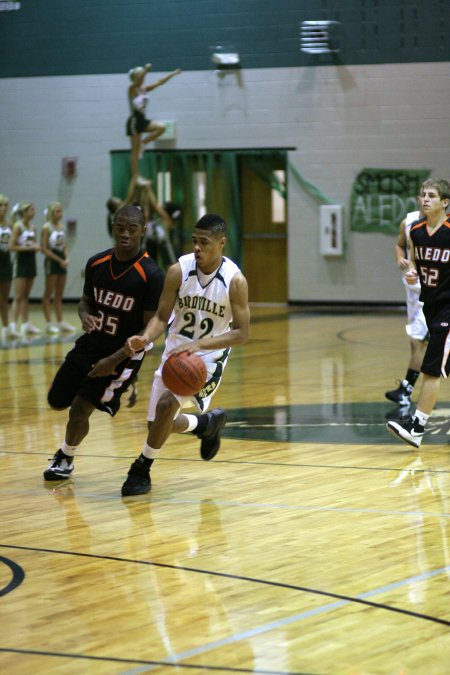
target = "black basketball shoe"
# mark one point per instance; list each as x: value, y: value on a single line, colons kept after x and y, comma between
x: 138, y: 481
x: 60, y: 467
x: 210, y: 437
x: 409, y: 431
x: 401, y: 395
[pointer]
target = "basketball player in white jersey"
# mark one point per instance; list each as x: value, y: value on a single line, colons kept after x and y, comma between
x: 204, y: 304
x: 416, y: 328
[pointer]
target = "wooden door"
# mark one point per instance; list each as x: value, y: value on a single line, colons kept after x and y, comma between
x: 264, y: 240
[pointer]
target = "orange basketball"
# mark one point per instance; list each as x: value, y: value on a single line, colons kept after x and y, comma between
x: 184, y: 374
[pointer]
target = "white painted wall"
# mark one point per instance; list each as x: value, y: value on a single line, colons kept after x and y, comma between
x: 340, y: 119
x: 384, y: 116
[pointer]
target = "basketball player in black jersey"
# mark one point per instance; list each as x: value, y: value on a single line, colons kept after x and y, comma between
x: 430, y: 262
x: 120, y: 295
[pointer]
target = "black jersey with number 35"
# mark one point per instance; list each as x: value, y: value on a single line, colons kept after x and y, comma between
x: 119, y: 293
x: 432, y: 260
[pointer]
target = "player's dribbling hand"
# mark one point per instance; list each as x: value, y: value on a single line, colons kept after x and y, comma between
x: 189, y: 348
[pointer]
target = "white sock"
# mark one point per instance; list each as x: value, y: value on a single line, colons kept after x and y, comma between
x: 421, y: 417
x: 68, y: 450
x: 192, y: 423
x: 149, y: 452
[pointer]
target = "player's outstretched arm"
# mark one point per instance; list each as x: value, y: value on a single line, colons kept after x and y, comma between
x: 157, y: 324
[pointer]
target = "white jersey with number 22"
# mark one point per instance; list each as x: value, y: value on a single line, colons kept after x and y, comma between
x: 203, y: 307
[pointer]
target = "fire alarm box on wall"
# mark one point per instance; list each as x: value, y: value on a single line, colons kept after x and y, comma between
x: 69, y: 167
x: 331, y: 230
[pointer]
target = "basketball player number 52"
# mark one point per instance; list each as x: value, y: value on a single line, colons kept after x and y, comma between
x: 429, y: 276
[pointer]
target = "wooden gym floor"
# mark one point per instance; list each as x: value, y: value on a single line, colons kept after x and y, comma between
x: 313, y: 543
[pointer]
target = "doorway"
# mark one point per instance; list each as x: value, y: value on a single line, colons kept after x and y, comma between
x: 246, y: 186
x: 264, y: 228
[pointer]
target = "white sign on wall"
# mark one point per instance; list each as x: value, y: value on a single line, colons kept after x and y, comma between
x: 9, y: 6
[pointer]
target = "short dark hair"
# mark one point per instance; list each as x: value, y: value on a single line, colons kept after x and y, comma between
x: 213, y: 223
x: 172, y: 209
x: 113, y: 203
x: 130, y: 211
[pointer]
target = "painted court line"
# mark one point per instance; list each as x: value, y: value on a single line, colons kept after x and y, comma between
x: 307, y: 508
x: 280, y: 623
x: 298, y: 507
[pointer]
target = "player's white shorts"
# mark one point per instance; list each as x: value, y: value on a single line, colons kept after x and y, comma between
x: 202, y: 402
x: 417, y: 326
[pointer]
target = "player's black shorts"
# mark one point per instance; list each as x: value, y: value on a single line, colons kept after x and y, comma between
x: 137, y: 123
x: 103, y: 392
x: 436, y: 360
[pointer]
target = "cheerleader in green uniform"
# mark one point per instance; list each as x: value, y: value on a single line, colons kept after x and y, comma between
x: 137, y: 122
x: 5, y: 269
x: 54, y: 247
x: 24, y: 244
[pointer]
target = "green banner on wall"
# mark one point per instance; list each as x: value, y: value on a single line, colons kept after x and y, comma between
x: 381, y: 198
